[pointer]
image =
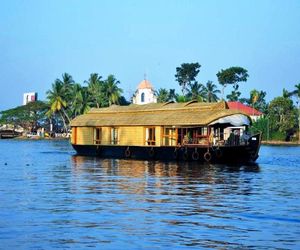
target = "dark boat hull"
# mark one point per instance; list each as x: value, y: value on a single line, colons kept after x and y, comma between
x: 215, y: 154
x: 9, y: 134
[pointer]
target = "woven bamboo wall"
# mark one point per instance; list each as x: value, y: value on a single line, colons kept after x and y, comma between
x: 126, y: 136
x: 106, y: 136
x: 158, y: 136
x: 74, y: 135
x: 131, y: 136
x: 84, y: 135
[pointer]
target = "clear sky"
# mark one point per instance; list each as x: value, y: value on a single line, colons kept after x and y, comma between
x: 42, y: 39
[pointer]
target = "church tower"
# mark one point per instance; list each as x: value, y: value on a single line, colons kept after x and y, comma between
x: 144, y: 94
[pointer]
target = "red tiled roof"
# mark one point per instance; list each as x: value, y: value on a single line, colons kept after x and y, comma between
x: 145, y: 84
x: 244, y: 108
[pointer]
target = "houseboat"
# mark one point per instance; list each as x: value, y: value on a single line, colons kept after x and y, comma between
x: 192, y: 131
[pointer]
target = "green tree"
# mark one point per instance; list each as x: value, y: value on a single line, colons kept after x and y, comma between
x: 66, y: 83
x: 172, y: 95
x: 195, y: 92
x: 95, y: 89
x: 81, y: 100
x: 234, y: 95
x: 232, y: 75
x: 186, y: 75
x: 286, y: 93
x: 281, y: 115
x: 30, y: 116
x: 256, y: 100
x: 111, y: 90
x: 296, y: 93
x: 123, y: 101
x: 210, y: 92
x: 262, y: 125
x: 57, y: 100
x: 162, y: 95
x: 181, y: 98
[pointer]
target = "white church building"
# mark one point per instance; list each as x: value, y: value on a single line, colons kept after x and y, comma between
x: 144, y: 94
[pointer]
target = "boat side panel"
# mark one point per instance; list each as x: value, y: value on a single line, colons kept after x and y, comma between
x: 214, y: 154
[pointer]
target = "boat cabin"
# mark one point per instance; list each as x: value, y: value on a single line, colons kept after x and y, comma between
x: 160, y: 124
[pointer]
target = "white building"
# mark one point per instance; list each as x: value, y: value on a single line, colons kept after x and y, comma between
x: 29, y: 97
x: 144, y: 94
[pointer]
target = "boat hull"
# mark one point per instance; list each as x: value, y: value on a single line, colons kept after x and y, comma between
x: 216, y: 154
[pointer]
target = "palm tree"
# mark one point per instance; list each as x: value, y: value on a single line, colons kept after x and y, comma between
x: 172, y: 95
x: 76, y: 93
x: 286, y: 93
x: 196, y: 92
x: 66, y: 82
x: 94, y: 88
x: 162, y: 95
x: 254, y: 96
x: 57, y: 102
x: 296, y: 93
x: 81, y: 100
x: 111, y: 90
x: 258, y: 100
x: 235, y: 94
x: 181, y: 98
x: 210, y: 92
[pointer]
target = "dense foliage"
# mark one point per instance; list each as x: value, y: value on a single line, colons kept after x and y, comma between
x: 282, y: 114
x: 232, y: 75
x: 30, y: 116
x: 186, y: 75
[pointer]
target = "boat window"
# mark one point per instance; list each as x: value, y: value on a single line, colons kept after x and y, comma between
x: 150, y: 136
x: 203, y: 131
x: 114, y: 135
x: 196, y: 135
x: 97, y: 135
x: 170, y: 137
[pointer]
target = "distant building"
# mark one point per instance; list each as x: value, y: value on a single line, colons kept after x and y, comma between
x: 29, y: 97
x: 252, y: 112
x: 144, y: 94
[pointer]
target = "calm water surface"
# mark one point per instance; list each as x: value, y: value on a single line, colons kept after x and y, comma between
x: 52, y: 199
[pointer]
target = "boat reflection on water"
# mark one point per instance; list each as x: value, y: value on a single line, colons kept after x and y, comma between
x: 138, y: 168
x: 146, y: 177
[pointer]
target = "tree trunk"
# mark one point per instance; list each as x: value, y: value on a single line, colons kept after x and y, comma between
x: 64, y: 122
x: 68, y: 119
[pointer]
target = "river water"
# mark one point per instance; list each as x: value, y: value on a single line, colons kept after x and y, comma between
x: 52, y: 199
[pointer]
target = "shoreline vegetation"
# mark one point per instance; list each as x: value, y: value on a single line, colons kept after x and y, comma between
x: 67, y: 99
x: 281, y: 143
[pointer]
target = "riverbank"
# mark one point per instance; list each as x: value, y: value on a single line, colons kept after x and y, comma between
x: 280, y: 143
x: 40, y: 138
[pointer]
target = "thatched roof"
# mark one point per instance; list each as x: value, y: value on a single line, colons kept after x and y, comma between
x: 156, y: 114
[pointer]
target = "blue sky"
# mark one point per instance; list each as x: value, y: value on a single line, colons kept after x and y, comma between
x: 40, y: 40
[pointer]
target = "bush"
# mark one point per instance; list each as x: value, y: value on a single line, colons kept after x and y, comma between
x: 277, y: 136
x: 261, y: 125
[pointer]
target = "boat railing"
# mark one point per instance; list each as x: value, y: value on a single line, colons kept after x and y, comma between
x: 222, y: 139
